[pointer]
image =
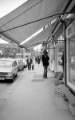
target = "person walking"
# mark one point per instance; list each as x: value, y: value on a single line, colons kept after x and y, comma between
x: 29, y: 62
x: 45, y: 61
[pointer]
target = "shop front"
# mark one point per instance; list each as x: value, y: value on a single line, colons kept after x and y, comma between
x: 70, y: 49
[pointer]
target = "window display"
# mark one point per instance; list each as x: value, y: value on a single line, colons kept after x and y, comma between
x: 71, y: 57
x: 60, y: 45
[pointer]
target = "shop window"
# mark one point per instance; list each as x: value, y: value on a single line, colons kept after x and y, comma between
x: 71, y: 60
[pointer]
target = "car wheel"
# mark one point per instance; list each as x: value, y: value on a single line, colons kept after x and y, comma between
x: 12, y: 79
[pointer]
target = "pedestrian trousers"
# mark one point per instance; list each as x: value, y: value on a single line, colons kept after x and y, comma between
x: 45, y: 72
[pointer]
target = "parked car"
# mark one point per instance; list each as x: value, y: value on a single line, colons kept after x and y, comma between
x: 8, y: 69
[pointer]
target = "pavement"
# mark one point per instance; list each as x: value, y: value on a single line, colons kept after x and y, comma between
x: 30, y: 97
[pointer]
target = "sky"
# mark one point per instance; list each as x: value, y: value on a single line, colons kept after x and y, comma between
x: 38, y: 47
x: 6, y: 6
x: 3, y: 41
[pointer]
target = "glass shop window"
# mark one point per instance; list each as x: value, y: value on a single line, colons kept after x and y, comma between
x: 70, y: 47
x: 72, y: 61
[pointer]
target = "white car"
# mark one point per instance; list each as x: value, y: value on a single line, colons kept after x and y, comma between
x: 8, y: 69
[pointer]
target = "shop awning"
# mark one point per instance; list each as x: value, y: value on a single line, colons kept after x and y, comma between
x: 26, y: 20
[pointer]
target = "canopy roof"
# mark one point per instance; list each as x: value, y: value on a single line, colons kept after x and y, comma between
x: 26, y: 20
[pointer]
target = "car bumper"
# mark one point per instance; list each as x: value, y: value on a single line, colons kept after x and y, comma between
x: 6, y: 77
